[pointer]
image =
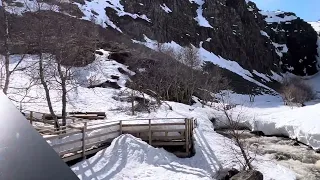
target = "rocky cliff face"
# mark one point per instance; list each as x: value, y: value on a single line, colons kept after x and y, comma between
x: 294, y: 39
x: 230, y: 31
x: 233, y: 29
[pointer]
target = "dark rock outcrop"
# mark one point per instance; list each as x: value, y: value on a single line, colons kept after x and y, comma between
x: 107, y: 84
x: 248, y: 175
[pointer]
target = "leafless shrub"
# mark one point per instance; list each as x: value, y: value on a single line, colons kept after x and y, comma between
x: 233, y: 123
x: 294, y: 90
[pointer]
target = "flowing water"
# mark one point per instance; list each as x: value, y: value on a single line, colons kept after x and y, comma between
x: 300, y: 158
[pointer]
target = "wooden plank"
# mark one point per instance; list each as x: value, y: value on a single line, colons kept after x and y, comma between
x: 84, y: 139
x: 155, y: 119
x: 66, y: 143
x: 169, y: 124
x: 150, y: 133
x: 187, y: 135
x: 62, y: 135
x: 72, y: 150
x: 78, y: 155
x: 99, y: 143
x: 105, y: 126
x: 100, y: 135
x: 152, y: 130
x: 172, y: 143
x: 134, y: 131
x: 155, y: 138
x: 168, y: 130
x: 120, y: 127
x: 160, y: 124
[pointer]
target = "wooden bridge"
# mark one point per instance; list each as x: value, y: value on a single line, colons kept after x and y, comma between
x: 82, y: 139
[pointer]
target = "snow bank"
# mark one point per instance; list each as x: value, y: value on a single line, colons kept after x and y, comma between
x: 269, y: 115
x: 131, y: 158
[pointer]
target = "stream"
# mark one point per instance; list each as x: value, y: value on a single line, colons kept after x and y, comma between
x: 301, y: 159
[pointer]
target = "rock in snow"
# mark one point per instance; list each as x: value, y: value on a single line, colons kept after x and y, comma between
x: 248, y: 175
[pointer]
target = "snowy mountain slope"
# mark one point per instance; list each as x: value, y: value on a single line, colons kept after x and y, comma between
x: 281, y: 28
x: 316, y: 26
x: 231, y: 36
x: 275, y: 16
x: 205, y: 55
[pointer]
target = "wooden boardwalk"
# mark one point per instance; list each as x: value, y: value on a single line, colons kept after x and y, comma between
x: 86, y: 139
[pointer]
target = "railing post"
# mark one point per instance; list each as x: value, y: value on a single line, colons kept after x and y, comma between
x: 84, y: 140
x: 150, y: 133
x: 43, y: 117
x: 31, y: 117
x: 187, y: 135
x: 120, y: 127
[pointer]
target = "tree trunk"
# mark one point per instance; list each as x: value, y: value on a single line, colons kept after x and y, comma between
x: 7, y: 55
x: 46, y: 89
x: 7, y: 77
x: 63, y: 79
x: 244, y: 154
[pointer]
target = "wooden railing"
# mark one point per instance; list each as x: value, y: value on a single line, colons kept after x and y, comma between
x: 86, y: 140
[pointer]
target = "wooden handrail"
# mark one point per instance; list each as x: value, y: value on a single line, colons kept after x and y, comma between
x: 185, y: 137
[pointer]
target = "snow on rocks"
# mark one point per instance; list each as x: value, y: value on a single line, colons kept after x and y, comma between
x: 280, y: 48
x: 263, y: 33
x: 165, y: 8
x: 29, y: 6
x: 97, y: 9
x: 316, y: 26
x: 200, y: 19
x: 275, y: 16
x: 205, y: 55
x: 263, y: 76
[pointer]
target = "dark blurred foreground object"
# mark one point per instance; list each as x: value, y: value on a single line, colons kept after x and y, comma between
x: 24, y: 154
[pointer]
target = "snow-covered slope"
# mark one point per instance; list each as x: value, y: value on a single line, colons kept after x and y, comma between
x: 126, y: 156
x: 274, y: 16
x: 213, y: 151
x: 316, y: 26
x: 205, y: 55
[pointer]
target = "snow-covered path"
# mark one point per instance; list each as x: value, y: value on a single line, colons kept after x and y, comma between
x: 213, y: 155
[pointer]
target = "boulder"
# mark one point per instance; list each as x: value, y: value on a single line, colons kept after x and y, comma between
x: 248, y: 175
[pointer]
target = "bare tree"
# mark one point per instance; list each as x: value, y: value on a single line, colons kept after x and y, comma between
x: 6, y: 46
x: 233, y: 122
